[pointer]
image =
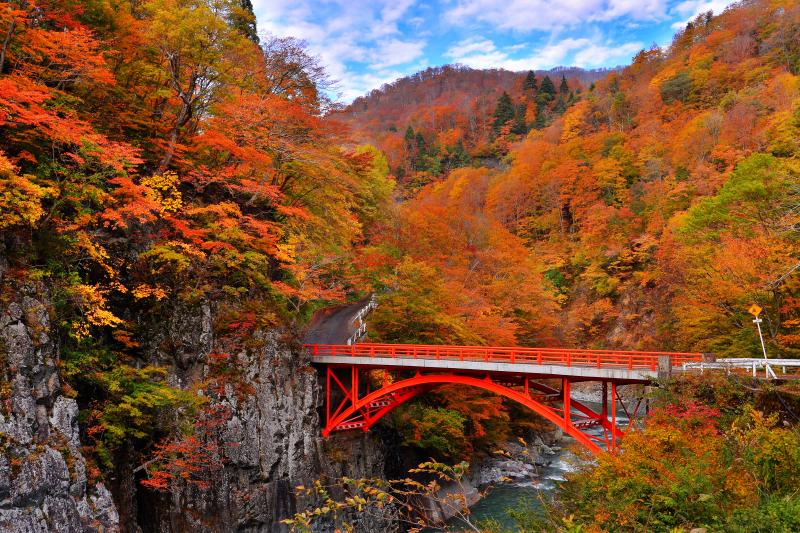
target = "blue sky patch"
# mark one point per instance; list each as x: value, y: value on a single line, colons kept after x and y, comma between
x: 365, y: 44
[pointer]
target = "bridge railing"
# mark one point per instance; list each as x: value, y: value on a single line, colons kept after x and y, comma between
x: 749, y: 364
x: 361, y: 324
x: 536, y: 356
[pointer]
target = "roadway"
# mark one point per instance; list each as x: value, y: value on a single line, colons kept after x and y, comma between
x: 334, y: 325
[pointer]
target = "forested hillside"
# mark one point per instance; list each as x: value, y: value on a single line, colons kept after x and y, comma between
x: 646, y: 210
x: 172, y: 199
x: 441, y: 118
x: 179, y: 194
x: 650, y: 212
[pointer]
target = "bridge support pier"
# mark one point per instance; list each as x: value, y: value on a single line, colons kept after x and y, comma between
x: 613, y: 415
x: 565, y: 398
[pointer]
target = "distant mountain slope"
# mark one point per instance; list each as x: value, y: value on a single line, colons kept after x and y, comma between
x: 452, y: 101
x: 431, y: 84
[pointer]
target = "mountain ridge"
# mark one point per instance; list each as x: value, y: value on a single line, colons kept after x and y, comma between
x: 585, y: 76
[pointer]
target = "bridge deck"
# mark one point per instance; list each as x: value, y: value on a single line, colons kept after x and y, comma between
x: 535, y: 362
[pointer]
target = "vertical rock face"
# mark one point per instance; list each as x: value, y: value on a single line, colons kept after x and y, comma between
x: 270, y: 444
x: 43, y: 483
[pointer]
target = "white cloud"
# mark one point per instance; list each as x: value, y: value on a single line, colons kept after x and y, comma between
x: 689, y: 9
x: 595, y: 55
x: 396, y: 52
x: 471, y: 46
x: 582, y: 52
x: 643, y: 10
x: 545, y: 15
x: 344, y: 32
x: 361, y: 84
x: 363, y: 43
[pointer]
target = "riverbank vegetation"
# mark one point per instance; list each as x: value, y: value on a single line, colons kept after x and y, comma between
x: 720, y: 452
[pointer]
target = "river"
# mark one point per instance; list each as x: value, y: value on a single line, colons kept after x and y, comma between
x: 502, y: 497
x: 505, y: 496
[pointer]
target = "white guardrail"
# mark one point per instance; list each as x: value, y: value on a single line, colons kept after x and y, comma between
x: 361, y: 323
x: 750, y: 364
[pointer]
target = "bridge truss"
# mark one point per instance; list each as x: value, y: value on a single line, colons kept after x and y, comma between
x: 365, y: 382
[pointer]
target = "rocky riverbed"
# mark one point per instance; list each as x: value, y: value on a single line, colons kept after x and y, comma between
x: 518, y: 461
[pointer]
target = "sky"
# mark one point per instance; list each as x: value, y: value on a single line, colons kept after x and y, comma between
x: 366, y: 43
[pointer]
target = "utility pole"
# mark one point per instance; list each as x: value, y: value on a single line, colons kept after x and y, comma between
x: 760, y: 336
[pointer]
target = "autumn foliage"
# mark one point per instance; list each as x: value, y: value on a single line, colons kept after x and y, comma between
x: 716, y: 453
x: 649, y: 214
x: 155, y: 159
x: 156, y: 162
x: 648, y: 210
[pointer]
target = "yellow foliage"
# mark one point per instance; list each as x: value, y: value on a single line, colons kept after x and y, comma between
x: 94, y: 250
x: 163, y: 189
x: 142, y: 291
x: 90, y: 299
x: 608, y: 173
x: 785, y: 89
x: 287, y: 252
x: 20, y: 198
x: 784, y: 131
x: 573, y: 121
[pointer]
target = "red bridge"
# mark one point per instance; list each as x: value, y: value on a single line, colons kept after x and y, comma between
x: 364, y: 382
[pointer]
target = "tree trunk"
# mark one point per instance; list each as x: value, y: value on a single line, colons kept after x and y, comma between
x: 184, y: 116
x: 6, y: 41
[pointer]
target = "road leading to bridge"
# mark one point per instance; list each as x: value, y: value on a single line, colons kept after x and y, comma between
x: 335, y: 325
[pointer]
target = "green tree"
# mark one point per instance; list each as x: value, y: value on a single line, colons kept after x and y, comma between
x: 503, y: 113
x: 410, y: 141
x: 409, y: 136
x: 560, y: 106
x: 530, y: 83
x: 564, y: 87
x: 520, y: 127
x: 243, y: 19
x: 457, y: 156
x: 422, y: 146
x: 420, y: 152
x: 677, y: 88
x: 547, y: 86
x: 541, y: 117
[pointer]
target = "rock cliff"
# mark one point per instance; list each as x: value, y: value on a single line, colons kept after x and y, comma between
x: 43, y: 478
x: 271, y: 441
x: 271, y: 444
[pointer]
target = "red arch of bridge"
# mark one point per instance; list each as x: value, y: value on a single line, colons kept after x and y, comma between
x: 401, y: 391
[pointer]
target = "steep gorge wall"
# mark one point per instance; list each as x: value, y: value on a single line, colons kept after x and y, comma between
x: 271, y: 442
x: 43, y: 478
